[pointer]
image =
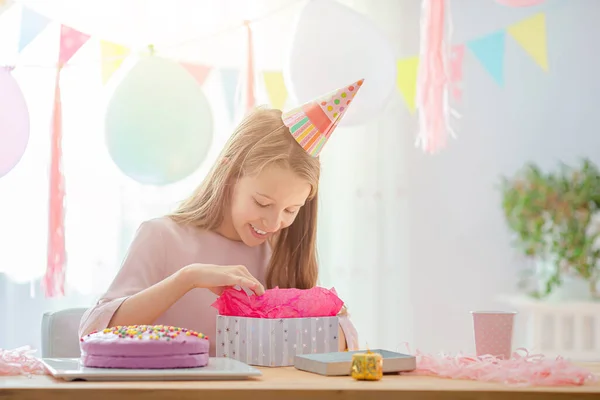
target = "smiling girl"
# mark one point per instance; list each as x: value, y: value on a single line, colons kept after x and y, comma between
x: 251, y: 223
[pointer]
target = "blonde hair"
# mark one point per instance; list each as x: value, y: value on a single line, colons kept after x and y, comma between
x: 259, y: 141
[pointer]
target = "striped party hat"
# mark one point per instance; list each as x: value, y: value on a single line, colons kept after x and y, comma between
x: 313, y: 123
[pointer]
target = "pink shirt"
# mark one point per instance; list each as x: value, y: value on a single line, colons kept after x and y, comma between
x: 160, y: 248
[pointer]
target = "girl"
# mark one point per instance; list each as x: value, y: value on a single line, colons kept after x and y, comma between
x: 251, y: 223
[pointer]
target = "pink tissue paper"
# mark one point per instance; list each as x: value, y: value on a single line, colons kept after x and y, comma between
x: 280, y: 303
x: 522, y: 369
x: 20, y: 361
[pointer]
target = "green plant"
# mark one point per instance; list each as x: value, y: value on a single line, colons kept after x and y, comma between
x: 556, y: 217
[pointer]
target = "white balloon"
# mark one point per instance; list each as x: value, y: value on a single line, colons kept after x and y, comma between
x: 334, y: 46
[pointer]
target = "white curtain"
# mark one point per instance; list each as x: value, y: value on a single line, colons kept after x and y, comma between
x: 364, y: 219
x: 363, y: 227
x: 363, y: 215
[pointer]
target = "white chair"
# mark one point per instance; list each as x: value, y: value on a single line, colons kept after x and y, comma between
x: 60, y: 337
x: 570, y: 329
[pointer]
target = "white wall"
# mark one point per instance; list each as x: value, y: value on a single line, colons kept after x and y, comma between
x: 460, y: 252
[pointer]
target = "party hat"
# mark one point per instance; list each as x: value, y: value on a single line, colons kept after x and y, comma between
x: 313, y: 123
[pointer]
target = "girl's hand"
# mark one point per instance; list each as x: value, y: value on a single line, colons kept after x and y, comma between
x: 217, y: 278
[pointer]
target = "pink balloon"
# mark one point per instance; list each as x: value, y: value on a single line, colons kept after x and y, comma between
x: 14, y: 122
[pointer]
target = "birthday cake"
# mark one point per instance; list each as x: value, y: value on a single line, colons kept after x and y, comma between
x: 144, y: 347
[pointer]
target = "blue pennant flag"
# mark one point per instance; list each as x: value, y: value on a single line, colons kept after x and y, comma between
x: 230, y: 78
x: 489, y: 50
x: 32, y: 24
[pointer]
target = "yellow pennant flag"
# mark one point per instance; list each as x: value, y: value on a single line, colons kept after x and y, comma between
x: 406, y: 80
x: 531, y: 35
x: 112, y: 56
x: 275, y: 88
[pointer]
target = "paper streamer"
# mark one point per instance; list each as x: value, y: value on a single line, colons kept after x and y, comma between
x: 408, y: 71
x: 53, y: 281
x: 523, y: 369
x: 433, y: 80
x: 489, y: 50
x: 112, y: 55
x: 250, y: 99
x: 20, y: 361
x: 456, y: 72
x: 32, y: 24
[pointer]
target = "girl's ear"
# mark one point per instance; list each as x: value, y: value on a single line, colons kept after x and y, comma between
x: 225, y: 160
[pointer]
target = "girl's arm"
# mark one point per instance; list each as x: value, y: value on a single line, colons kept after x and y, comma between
x: 142, y: 292
x: 145, y: 307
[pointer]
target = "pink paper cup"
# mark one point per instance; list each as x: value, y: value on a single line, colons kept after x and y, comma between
x: 493, y: 333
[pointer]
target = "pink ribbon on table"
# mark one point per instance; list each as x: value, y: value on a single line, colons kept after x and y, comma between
x: 523, y: 369
x: 20, y: 361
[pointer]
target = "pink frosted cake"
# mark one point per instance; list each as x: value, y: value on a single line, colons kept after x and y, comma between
x: 144, y: 347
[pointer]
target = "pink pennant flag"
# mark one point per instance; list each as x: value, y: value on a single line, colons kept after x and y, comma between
x: 53, y: 282
x: 198, y: 71
x: 71, y: 41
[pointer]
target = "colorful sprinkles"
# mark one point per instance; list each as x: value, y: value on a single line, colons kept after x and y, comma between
x: 153, y: 332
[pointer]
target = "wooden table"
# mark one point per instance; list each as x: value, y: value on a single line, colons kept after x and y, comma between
x: 286, y: 384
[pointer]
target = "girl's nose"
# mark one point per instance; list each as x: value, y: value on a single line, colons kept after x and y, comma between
x: 272, y: 224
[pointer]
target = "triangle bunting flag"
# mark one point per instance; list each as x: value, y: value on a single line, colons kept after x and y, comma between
x: 239, y: 84
x: 32, y: 24
x: 198, y: 71
x: 230, y: 78
x: 112, y: 55
x: 531, y: 35
x: 489, y: 50
x: 71, y: 41
x: 406, y: 80
x: 275, y: 86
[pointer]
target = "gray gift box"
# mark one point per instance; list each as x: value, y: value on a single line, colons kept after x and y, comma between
x: 274, y: 342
